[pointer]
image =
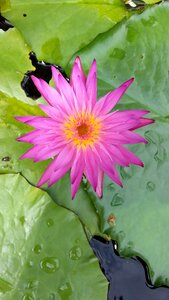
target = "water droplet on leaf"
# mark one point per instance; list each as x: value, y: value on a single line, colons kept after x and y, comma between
x: 117, y: 200
x: 37, y: 249
x: 118, y: 53
x: 65, y: 291
x: 75, y: 253
x: 150, y: 186
x: 50, y: 222
x: 49, y: 264
x: 28, y: 297
x: 22, y: 220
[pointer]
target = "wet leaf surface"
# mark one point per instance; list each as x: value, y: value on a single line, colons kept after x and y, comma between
x: 65, y: 27
x: 44, y: 251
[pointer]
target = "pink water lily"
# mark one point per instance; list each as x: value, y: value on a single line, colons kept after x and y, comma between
x: 80, y: 133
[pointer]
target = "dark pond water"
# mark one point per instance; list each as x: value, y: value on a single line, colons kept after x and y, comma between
x: 128, y: 277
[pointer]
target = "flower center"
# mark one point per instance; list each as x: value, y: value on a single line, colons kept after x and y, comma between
x: 82, y: 129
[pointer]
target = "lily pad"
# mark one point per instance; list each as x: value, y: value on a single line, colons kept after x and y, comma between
x: 55, y: 30
x: 136, y: 48
x: 44, y: 251
x: 14, y: 63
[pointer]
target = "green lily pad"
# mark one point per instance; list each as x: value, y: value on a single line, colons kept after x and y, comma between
x: 44, y: 251
x: 14, y: 63
x: 55, y: 30
x: 136, y: 48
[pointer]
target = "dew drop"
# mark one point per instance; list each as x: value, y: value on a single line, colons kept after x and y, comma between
x: 22, y: 220
x: 30, y: 264
x: 28, y: 297
x: 126, y: 173
x: 32, y: 284
x: 152, y: 137
x: 118, y: 53
x: 65, y: 291
x: 50, y: 222
x: 150, y: 186
x: 160, y: 155
x: 117, y: 200
x: 52, y: 296
x: 49, y: 264
x: 37, y: 249
x: 75, y: 253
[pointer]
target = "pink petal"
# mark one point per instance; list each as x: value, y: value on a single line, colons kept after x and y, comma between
x: 91, y: 85
x: 77, y: 172
x: 77, y: 166
x: 48, y: 92
x: 142, y: 122
x: 38, y: 122
x: 58, y: 167
x: 29, y: 137
x: 77, y: 70
x: 124, y: 137
x: 105, y: 164
x: 46, y: 175
x: 123, y: 116
x: 99, y: 188
x: 91, y: 168
x: 130, y: 156
x: 31, y: 153
x: 81, y: 94
x: 106, y: 103
x: 55, y: 113
x: 58, y: 174
x: 64, y: 89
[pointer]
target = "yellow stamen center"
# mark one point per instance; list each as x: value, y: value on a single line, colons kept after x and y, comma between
x: 82, y: 129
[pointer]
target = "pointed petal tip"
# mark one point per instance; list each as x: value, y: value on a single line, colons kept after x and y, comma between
x: 128, y: 82
x: 36, y: 81
x: 77, y: 59
x: 54, y: 71
x: 100, y: 196
x: 19, y: 139
x: 120, y: 184
x: 22, y: 157
x: 17, y: 118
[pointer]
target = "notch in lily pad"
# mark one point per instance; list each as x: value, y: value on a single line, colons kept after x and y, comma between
x: 43, y: 71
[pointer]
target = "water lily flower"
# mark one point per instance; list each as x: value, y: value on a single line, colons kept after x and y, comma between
x: 81, y: 134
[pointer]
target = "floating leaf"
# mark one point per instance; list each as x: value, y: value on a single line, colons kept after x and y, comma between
x: 55, y: 30
x: 44, y: 251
